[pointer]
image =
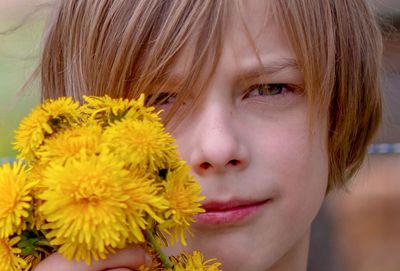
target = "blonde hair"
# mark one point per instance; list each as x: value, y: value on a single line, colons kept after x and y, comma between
x: 122, y: 48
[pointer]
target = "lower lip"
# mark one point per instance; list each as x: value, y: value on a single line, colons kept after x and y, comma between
x: 229, y: 216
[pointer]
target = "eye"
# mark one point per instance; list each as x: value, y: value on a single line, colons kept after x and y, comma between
x: 161, y: 98
x: 267, y: 90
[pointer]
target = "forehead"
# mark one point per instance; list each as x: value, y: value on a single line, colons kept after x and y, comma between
x: 251, y: 34
x: 253, y: 21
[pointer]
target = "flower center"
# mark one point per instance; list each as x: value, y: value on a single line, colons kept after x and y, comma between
x: 91, y: 190
x: 180, y: 200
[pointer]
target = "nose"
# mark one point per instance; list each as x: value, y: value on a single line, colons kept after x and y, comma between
x: 219, y: 146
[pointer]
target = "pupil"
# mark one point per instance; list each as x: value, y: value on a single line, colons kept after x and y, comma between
x: 274, y: 89
x: 269, y: 89
x: 162, y: 98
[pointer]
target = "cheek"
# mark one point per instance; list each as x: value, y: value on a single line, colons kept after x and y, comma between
x: 297, y: 166
x: 301, y: 161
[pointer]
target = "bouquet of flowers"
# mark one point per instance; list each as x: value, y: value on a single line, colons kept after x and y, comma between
x: 94, y: 178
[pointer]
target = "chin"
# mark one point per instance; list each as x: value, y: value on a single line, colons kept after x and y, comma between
x: 235, y: 253
x: 242, y: 250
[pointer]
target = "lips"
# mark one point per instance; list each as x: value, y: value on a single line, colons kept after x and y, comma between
x: 229, y: 212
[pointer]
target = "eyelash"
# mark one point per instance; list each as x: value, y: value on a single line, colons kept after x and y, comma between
x: 163, y: 98
x: 270, y: 90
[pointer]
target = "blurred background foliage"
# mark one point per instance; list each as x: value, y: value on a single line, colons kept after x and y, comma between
x: 21, y: 27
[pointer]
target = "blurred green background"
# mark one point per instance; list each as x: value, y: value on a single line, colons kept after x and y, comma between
x: 20, y: 34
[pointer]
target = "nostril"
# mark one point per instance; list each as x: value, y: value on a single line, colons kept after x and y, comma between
x: 205, y: 165
x: 234, y: 162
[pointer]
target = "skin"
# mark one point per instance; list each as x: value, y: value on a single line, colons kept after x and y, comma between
x: 248, y: 144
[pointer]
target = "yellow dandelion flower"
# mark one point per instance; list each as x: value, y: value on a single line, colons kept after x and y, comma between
x: 86, y: 205
x: 194, y: 262
x: 35, y: 174
x: 15, y: 200
x: 74, y: 249
x: 144, y: 202
x: 145, y: 268
x: 139, y: 111
x: 105, y: 109
x: 32, y: 261
x: 43, y: 121
x: 69, y: 143
x: 36, y: 220
x: 142, y: 144
x: 10, y: 259
x: 156, y: 263
x: 183, y: 195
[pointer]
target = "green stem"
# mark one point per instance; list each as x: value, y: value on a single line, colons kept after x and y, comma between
x: 43, y: 243
x: 156, y: 246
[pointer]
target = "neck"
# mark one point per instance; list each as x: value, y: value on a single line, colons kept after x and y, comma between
x: 296, y: 258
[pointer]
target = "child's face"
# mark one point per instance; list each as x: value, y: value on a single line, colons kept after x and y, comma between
x: 249, y: 145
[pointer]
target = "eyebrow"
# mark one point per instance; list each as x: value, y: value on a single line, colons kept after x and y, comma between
x: 268, y: 68
x: 252, y: 69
